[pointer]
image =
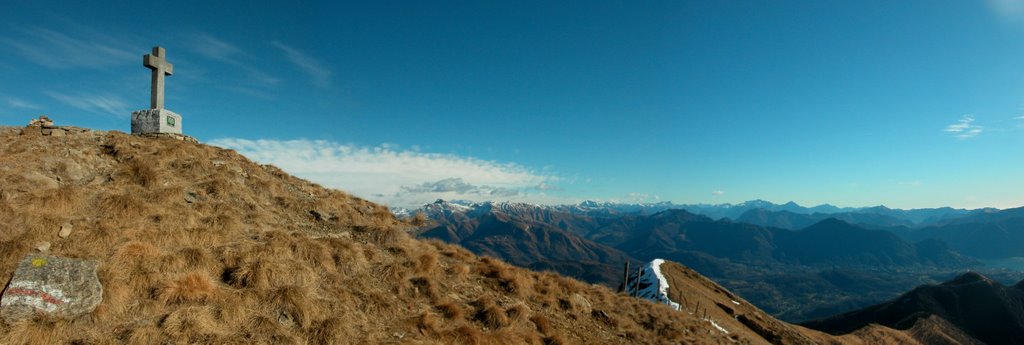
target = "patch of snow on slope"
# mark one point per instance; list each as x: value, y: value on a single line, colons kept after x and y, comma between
x: 720, y: 328
x: 654, y: 286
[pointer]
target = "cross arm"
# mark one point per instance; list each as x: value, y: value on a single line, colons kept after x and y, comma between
x: 156, y: 62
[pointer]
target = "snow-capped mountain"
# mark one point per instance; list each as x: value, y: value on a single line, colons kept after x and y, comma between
x: 449, y: 207
x: 601, y: 209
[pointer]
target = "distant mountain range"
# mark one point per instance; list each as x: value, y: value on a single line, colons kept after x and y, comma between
x: 675, y: 234
x: 982, y: 233
x: 883, y: 216
x: 982, y: 308
x: 828, y: 266
x: 795, y: 221
x: 991, y: 234
x: 526, y: 236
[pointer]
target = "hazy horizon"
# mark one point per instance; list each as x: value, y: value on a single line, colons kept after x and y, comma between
x: 627, y: 202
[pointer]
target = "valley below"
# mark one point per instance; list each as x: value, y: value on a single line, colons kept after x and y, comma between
x: 797, y: 294
x: 825, y: 268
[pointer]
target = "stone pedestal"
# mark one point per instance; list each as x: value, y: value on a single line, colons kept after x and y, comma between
x: 156, y: 121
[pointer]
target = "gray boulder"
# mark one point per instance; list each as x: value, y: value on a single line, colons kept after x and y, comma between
x: 52, y: 285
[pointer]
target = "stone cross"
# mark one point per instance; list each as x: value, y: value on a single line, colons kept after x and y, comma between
x: 158, y: 63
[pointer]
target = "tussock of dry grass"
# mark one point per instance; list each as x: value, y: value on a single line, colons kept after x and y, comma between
x: 240, y: 253
x: 192, y: 287
x: 450, y: 310
x: 518, y: 312
x: 542, y: 323
x: 139, y: 172
x: 489, y: 313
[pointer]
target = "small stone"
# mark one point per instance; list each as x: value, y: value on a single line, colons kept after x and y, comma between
x: 323, y: 216
x: 42, y: 121
x: 73, y: 171
x: 43, y: 247
x: 65, y: 230
x: 582, y: 303
x: 40, y: 181
x: 53, y: 285
x: 32, y: 131
x: 191, y: 197
x: 57, y: 132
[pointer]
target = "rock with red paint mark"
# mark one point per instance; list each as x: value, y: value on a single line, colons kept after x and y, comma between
x: 52, y: 285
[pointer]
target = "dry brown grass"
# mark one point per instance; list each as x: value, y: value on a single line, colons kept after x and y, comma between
x: 418, y: 220
x: 246, y: 261
x: 510, y: 279
x: 191, y: 287
x: 451, y: 310
x: 489, y: 313
x: 194, y: 323
x: 542, y: 324
x: 465, y: 334
x: 426, y: 262
x: 139, y: 172
x: 518, y: 312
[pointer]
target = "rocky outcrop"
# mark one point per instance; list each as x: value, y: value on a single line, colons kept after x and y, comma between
x: 53, y: 285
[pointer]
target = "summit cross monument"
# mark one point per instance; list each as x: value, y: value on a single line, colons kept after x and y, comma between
x: 158, y: 63
x: 156, y: 119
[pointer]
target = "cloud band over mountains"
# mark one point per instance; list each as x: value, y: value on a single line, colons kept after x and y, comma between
x: 397, y: 177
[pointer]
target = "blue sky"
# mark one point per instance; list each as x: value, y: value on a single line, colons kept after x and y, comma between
x: 854, y: 103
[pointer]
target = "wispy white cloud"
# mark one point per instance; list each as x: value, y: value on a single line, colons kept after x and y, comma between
x: 1019, y: 117
x: 95, y: 103
x: 718, y: 193
x: 1007, y: 9
x: 20, y: 103
x: 546, y: 186
x: 637, y: 197
x: 964, y: 128
x: 397, y: 177
x: 67, y: 49
x: 214, y: 48
x: 914, y: 183
x: 321, y: 74
x: 458, y: 186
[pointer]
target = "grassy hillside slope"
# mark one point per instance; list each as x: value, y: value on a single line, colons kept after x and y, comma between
x: 197, y: 244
